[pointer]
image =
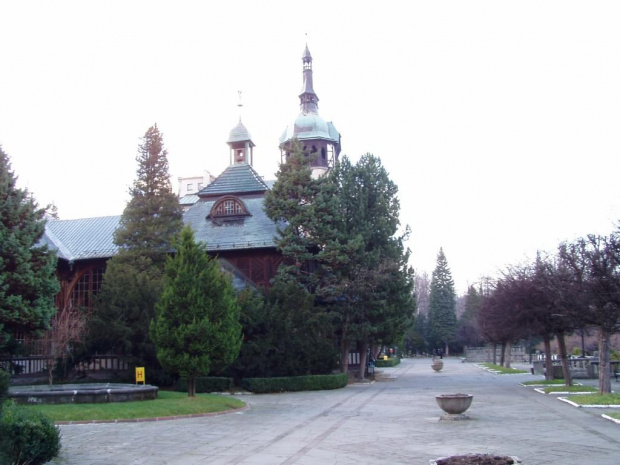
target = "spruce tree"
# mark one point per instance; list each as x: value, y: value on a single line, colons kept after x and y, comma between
x: 133, y: 279
x: 196, y: 329
x: 153, y: 215
x: 442, y: 311
x: 28, y: 283
x: 290, y: 203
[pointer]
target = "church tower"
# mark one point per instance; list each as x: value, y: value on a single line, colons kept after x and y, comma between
x: 240, y: 143
x: 320, y: 139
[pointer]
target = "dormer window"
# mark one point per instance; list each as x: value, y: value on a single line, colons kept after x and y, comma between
x: 228, y: 207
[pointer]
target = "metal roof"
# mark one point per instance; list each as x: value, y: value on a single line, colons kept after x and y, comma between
x: 239, y: 134
x: 236, y: 179
x: 189, y: 199
x: 311, y: 126
x: 83, y: 238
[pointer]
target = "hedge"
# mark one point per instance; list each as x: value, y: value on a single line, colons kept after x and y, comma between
x: 5, y: 380
x: 27, y: 436
x: 390, y: 362
x: 295, y: 383
x: 206, y: 384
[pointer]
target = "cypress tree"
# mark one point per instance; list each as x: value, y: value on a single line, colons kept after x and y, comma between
x: 28, y: 283
x: 442, y: 311
x: 196, y: 329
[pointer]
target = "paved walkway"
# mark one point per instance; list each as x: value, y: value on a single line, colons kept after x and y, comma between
x: 394, y: 421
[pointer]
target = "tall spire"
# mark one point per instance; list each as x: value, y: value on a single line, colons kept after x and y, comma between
x: 308, y: 99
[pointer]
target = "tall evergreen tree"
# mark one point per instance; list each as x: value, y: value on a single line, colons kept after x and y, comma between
x: 366, y: 276
x: 153, y: 215
x: 133, y: 279
x: 290, y: 203
x: 467, y: 330
x: 442, y: 309
x: 28, y: 281
x: 196, y: 329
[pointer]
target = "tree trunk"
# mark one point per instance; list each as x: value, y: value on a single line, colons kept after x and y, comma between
x: 564, y: 357
x: 508, y: 354
x: 604, y: 367
x: 548, y: 361
x: 363, y: 359
x: 494, y: 359
x: 447, y: 351
x: 191, y: 386
x: 344, y: 356
x: 502, y: 354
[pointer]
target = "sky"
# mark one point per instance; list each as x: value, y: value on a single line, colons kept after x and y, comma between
x: 499, y: 121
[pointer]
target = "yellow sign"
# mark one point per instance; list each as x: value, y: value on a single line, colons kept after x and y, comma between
x: 140, y: 375
x: 385, y: 357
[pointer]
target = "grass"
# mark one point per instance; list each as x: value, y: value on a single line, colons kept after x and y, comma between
x: 551, y: 389
x: 545, y: 382
x: 615, y: 415
x: 167, y: 404
x: 596, y: 399
x: 502, y: 370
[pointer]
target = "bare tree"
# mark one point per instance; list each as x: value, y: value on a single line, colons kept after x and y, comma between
x: 595, y: 265
x: 67, y: 328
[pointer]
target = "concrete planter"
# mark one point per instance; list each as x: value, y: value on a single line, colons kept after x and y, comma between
x: 454, y: 405
x: 438, y: 461
x: 437, y: 365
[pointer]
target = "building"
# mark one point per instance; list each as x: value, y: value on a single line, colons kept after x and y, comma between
x: 226, y: 212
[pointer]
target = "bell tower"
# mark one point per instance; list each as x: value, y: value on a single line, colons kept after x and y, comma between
x: 320, y: 139
x: 240, y: 143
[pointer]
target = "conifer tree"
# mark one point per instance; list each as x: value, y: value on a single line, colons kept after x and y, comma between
x: 442, y: 311
x: 28, y: 281
x: 153, y: 215
x: 133, y: 279
x: 196, y: 329
x: 366, y: 278
x: 290, y: 203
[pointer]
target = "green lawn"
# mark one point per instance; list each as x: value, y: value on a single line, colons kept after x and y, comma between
x: 167, y: 404
x: 615, y: 415
x: 545, y: 382
x: 596, y: 399
x: 552, y: 389
x: 502, y: 370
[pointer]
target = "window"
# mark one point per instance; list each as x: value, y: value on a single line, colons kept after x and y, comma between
x: 199, y: 186
x: 87, y: 286
x: 228, y: 206
x: 190, y: 187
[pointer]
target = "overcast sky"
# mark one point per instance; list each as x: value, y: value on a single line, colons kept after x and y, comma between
x: 499, y: 121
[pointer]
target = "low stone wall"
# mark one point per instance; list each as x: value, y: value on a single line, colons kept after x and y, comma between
x: 485, y: 354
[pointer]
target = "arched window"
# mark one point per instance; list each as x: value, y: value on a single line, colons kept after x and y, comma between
x: 86, y: 287
x: 228, y: 206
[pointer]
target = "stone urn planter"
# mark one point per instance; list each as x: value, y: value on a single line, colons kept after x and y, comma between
x: 454, y: 405
x: 477, y: 459
x: 437, y: 365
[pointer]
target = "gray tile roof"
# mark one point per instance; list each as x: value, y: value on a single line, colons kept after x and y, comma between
x: 255, y: 231
x: 236, y: 179
x: 83, y: 238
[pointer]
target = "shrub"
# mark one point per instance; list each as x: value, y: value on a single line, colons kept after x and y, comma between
x: 206, y: 384
x: 296, y: 383
x: 27, y: 436
x: 390, y: 362
x: 5, y: 380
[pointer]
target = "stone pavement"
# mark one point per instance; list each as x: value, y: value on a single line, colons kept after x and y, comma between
x: 392, y: 421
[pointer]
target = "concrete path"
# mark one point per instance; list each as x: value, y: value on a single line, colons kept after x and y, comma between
x: 392, y: 421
